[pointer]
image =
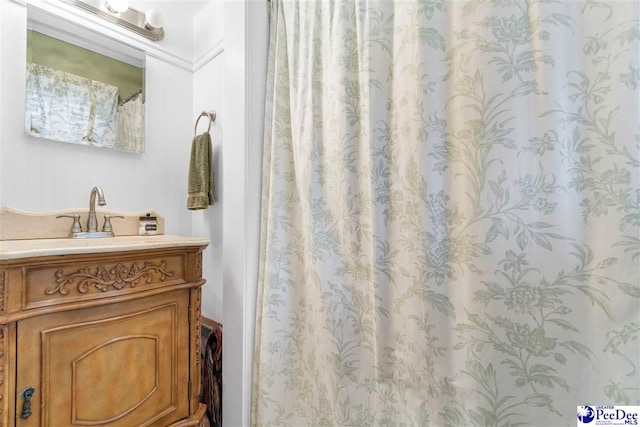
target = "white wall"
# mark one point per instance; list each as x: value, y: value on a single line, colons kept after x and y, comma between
x: 246, y: 42
x: 229, y: 77
x: 4, y: 31
x: 209, y: 94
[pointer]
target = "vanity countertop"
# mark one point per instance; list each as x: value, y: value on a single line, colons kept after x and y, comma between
x: 16, y: 249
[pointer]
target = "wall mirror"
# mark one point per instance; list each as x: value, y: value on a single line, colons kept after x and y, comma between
x: 82, y: 87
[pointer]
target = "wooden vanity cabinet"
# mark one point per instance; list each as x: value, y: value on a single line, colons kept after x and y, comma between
x: 107, y: 339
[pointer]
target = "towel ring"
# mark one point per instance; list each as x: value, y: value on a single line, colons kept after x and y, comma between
x: 212, y: 117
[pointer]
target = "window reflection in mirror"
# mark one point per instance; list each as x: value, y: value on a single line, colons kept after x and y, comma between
x: 77, y: 95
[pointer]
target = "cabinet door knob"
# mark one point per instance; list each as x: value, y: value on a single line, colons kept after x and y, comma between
x: 26, y: 405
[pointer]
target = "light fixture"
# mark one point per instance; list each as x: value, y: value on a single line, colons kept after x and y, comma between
x: 153, y: 19
x: 148, y: 25
x: 117, y: 6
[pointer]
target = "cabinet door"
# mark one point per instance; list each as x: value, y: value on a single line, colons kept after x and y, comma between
x: 124, y: 364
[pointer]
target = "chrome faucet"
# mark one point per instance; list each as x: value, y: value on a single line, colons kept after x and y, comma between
x: 92, y: 222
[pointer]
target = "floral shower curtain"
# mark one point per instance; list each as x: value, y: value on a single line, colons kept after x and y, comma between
x: 451, y: 213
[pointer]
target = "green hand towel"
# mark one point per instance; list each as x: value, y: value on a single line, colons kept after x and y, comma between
x: 200, y: 187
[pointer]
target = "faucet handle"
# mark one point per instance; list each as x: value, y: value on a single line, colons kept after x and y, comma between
x: 107, y: 223
x: 75, y: 227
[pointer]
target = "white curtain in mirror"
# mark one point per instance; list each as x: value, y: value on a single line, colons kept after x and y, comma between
x: 131, y: 125
x: 64, y: 106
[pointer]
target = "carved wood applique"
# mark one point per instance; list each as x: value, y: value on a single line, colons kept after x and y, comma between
x: 104, y: 279
x: 2, y: 288
x: 3, y: 351
x: 198, y: 332
x: 199, y: 265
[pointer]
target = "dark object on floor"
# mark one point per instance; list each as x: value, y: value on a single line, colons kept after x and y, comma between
x: 212, y: 376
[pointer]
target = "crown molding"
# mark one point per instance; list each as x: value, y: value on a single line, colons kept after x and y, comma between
x: 211, y: 53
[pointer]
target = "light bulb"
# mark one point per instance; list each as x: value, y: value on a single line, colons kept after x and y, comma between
x: 117, y: 6
x: 153, y: 19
